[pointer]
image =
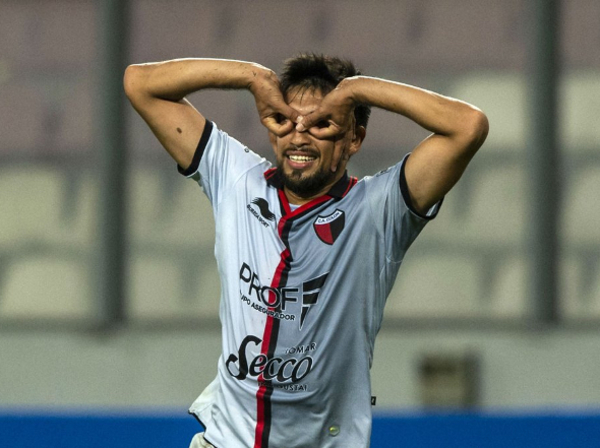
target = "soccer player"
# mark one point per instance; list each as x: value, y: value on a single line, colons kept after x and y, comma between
x: 306, y: 254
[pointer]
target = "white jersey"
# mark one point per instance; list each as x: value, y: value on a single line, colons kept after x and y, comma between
x: 302, y: 298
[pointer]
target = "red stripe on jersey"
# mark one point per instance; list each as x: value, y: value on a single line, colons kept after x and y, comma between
x: 263, y: 410
x: 352, y: 183
x: 286, y: 206
x: 270, y: 173
x: 262, y: 416
x: 289, y: 214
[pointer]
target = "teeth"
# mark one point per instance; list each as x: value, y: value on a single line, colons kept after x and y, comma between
x: 300, y: 158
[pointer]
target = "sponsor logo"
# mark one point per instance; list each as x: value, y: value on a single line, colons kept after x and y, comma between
x: 311, y: 290
x: 290, y: 370
x: 277, y: 301
x: 263, y: 207
x: 329, y: 227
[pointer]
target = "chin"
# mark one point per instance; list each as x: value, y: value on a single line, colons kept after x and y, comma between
x: 304, y: 184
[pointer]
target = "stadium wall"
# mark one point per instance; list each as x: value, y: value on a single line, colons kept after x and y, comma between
x: 525, y: 371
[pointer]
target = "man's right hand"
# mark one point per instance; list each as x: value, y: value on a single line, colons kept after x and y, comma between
x: 273, y: 111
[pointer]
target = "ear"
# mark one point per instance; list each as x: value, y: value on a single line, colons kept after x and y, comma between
x: 359, y: 135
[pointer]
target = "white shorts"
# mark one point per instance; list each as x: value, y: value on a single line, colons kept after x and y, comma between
x: 199, y: 442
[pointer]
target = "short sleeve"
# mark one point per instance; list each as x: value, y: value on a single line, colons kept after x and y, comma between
x: 219, y: 161
x: 395, y: 217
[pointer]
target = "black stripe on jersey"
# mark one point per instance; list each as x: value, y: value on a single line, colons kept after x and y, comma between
x: 315, y: 283
x: 406, y: 193
x: 288, y: 220
x: 273, y: 340
x: 199, y: 151
x: 282, y: 207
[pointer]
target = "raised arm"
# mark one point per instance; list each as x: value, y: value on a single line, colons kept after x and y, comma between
x: 157, y: 91
x: 437, y: 163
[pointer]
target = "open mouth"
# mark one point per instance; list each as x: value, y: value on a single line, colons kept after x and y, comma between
x: 300, y: 159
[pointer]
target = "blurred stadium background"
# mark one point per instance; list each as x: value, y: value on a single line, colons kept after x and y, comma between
x: 108, y: 286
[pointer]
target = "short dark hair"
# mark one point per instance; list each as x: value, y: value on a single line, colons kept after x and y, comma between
x: 324, y: 73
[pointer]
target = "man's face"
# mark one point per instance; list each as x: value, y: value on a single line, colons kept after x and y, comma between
x: 303, y: 160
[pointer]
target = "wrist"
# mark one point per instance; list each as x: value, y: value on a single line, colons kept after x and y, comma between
x: 258, y: 75
x: 349, y: 88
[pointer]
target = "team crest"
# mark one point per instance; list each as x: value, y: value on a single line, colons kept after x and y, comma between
x: 328, y: 228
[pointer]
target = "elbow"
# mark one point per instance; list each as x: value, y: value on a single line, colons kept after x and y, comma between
x: 132, y: 82
x: 477, y: 127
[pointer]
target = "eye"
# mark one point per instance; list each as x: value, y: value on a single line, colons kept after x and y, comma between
x: 322, y: 124
x: 281, y: 119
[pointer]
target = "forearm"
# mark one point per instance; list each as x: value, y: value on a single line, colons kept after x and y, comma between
x: 437, y: 113
x: 173, y: 80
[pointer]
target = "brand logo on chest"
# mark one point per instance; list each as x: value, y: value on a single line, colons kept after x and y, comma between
x: 263, y: 207
x: 329, y: 227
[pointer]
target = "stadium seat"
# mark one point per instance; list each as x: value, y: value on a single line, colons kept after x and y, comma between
x: 502, y: 97
x: 581, y: 215
x: 31, y: 201
x: 76, y: 116
x: 154, y: 288
x: 391, y: 134
x: 192, y: 219
x: 46, y: 287
x: 496, y: 210
x: 449, y: 27
x: 146, y: 201
x: 14, y: 30
x: 49, y: 36
x: 573, y: 301
x: 579, y: 111
x: 289, y: 23
x: 36, y: 211
x: 436, y: 285
x: 180, y: 214
x: 372, y: 34
x: 161, y: 31
x: 172, y: 266
x: 579, y: 34
x: 405, y: 34
x: 593, y: 294
x: 487, y: 207
x: 83, y: 226
x: 23, y: 113
x: 233, y: 112
x: 140, y: 139
x: 448, y: 221
x: 509, y: 296
x: 160, y: 289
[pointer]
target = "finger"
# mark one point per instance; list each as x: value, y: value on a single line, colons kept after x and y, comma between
x: 308, y: 121
x: 279, y: 129
x: 323, y: 133
x: 289, y: 112
x: 337, y: 157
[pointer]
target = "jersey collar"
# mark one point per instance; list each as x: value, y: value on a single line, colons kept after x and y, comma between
x: 338, y: 190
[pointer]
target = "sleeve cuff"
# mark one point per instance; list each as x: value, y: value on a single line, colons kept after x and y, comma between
x: 431, y: 213
x: 208, y: 126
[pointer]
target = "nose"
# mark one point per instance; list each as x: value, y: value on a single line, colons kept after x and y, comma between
x: 300, y: 138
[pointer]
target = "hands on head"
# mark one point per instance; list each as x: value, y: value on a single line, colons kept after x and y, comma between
x: 331, y: 120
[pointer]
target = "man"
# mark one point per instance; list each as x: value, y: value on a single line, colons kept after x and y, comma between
x: 307, y: 255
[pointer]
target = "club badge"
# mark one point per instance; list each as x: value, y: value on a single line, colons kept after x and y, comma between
x: 328, y: 228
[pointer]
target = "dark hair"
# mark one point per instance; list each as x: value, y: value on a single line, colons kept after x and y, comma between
x: 324, y: 73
